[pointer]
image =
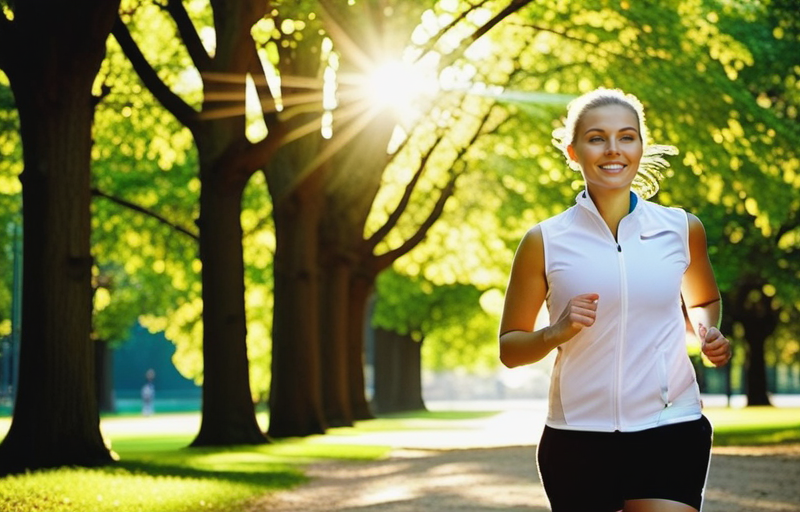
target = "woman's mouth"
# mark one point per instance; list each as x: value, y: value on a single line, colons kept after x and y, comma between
x: 612, y: 168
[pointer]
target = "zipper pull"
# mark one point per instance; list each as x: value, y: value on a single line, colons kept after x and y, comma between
x: 619, y: 248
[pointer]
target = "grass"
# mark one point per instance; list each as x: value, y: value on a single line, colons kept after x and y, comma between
x: 755, y: 425
x: 157, y: 473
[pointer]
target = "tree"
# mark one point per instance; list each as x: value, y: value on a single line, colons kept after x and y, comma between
x: 56, y: 420
x: 226, y: 161
x: 737, y: 169
x: 411, y: 310
x: 746, y: 196
x: 325, y: 270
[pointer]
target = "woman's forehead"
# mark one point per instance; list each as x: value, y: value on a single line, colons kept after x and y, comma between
x: 607, y: 116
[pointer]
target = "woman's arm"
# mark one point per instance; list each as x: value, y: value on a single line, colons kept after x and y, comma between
x: 702, y: 299
x: 527, y: 288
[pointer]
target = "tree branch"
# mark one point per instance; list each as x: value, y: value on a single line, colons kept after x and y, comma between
x: 512, y: 7
x: 189, y: 35
x: 385, y: 260
x: 140, y: 209
x: 405, y: 200
x: 185, y: 114
x: 431, y: 44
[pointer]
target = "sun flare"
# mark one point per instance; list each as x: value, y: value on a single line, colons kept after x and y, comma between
x: 400, y: 86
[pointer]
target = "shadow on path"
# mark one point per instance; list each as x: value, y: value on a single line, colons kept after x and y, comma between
x: 490, y: 465
x: 477, y: 479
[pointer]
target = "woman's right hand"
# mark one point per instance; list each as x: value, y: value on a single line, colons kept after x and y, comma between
x: 579, y: 313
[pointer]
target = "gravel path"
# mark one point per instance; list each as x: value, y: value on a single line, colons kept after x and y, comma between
x: 489, y: 465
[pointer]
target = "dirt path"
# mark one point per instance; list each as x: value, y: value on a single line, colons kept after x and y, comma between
x: 489, y: 465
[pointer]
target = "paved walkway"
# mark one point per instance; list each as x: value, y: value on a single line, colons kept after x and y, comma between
x: 489, y: 465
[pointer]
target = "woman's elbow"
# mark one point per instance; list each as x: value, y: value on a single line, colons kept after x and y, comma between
x: 507, y: 356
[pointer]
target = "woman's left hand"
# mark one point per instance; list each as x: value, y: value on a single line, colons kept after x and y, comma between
x: 714, y: 345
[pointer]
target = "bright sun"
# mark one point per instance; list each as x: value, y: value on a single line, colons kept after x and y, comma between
x: 400, y: 85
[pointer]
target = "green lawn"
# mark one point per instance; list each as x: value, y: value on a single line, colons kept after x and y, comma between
x: 157, y: 473
x: 755, y: 425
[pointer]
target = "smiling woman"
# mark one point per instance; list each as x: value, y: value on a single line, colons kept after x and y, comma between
x: 623, y: 392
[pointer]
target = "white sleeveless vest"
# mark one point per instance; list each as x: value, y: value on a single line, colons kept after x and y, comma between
x: 630, y: 370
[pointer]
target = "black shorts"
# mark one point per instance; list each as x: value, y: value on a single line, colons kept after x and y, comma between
x: 598, y: 471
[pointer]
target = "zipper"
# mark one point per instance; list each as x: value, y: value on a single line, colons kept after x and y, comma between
x: 623, y: 322
x: 623, y: 293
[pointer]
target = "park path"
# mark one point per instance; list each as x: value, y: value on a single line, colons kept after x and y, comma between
x: 488, y: 464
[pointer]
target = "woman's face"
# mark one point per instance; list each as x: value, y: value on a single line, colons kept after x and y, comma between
x: 608, y: 147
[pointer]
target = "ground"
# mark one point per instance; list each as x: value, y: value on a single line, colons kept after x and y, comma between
x: 489, y: 465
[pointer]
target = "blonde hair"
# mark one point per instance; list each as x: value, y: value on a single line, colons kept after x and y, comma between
x: 649, y: 175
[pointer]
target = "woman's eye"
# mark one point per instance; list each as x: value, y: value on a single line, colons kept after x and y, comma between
x: 627, y: 138
x: 596, y: 139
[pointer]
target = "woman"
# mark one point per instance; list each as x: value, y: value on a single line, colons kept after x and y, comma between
x: 624, y: 429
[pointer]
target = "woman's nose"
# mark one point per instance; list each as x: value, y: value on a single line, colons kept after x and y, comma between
x: 611, y: 147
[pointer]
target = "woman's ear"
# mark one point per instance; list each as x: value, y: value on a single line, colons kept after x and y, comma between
x: 571, y: 153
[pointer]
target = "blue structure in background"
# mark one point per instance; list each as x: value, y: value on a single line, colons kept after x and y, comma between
x: 144, y: 351
x: 9, y: 349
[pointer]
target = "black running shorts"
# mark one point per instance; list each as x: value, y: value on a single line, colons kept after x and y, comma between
x: 598, y: 471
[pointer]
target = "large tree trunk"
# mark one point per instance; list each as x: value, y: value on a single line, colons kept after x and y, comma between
x: 334, y: 340
x: 759, y: 324
x: 104, y: 376
x: 56, y: 51
x: 748, y: 306
x: 219, y: 131
x: 361, y: 286
x: 398, y: 377
x: 228, y: 408
x: 295, y: 401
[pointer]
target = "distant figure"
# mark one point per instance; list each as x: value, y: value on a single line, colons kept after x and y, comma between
x: 148, y: 393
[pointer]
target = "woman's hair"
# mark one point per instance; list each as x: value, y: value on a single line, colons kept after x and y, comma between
x: 647, y: 180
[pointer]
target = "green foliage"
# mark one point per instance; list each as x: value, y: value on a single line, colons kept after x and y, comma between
x: 448, y: 317
x: 144, y: 157
x: 718, y: 79
x: 10, y: 198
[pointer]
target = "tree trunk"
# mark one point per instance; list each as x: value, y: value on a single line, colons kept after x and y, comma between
x: 756, y: 331
x: 57, y: 51
x: 334, y: 341
x: 219, y: 131
x: 398, y: 382
x: 360, y: 290
x: 104, y: 376
x: 228, y: 408
x: 753, y: 310
x: 295, y: 400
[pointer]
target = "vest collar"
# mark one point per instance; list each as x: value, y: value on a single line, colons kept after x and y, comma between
x: 585, y: 200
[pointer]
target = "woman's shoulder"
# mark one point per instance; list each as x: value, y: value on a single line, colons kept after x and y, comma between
x: 660, y: 212
x: 559, y: 221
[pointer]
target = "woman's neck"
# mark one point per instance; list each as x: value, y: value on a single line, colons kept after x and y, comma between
x: 612, y: 205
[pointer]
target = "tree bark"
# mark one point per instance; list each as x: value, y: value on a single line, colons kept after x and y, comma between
x: 226, y: 165
x: 759, y: 323
x: 748, y: 306
x: 55, y: 53
x: 295, y: 400
x: 334, y: 317
x: 398, y: 377
x: 228, y: 409
x: 361, y: 287
x: 104, y: 376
